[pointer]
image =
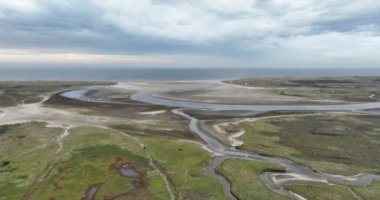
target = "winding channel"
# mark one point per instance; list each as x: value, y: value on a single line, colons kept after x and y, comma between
x: 300, y: 173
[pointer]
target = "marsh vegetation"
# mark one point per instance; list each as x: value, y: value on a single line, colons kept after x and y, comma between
x: 124, y: 149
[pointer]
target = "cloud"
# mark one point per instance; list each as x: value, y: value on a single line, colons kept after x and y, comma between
x: 21, y: 6
x: 288, y: 30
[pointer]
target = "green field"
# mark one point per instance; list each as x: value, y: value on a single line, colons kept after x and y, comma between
x: 100, y: 167
x: 335, y: 192
x: 245, y: 181
x: 338, y: 144
x: 322, y: 192
x: 91, y: 160
x: 21, y: 160
x: 370, y: 192
x: 93, y: 157
x: 184, y: 163
x: 90, y: 157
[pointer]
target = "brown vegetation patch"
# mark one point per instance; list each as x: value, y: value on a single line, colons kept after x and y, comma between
x: 127, y: 169
x: 317, y: 131
x: 62, y: 170
x: 57, y: 186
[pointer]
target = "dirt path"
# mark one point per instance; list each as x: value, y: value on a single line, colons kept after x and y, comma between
x: 169, y: 187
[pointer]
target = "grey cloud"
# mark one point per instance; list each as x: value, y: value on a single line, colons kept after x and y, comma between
x: 236, y: 28
x: 80, y: 27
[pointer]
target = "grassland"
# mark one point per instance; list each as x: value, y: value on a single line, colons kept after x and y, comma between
x: 99, y: 168
x: 371, y: 192
x: 16, y: 92
x: 91, y: 161
x: 245, y: 181
x: 335, y: 192
x: 91, y: 157
x: 322, y: 192
x: 21, y: 159
x: 338, y: 144
x: 355, y: 89
x: 184, y: 163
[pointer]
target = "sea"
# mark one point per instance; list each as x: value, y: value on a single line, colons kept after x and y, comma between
x: 170, y: 74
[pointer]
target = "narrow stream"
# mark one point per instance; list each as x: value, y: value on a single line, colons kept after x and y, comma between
x: 210, y: 170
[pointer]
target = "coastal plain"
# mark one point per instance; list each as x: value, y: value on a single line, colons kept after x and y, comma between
x: 109, y: 145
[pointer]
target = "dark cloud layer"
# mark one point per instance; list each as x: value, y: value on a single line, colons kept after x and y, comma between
x: 288, y: 31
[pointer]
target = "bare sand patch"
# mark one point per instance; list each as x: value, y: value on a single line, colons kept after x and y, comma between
x: 152, y: 112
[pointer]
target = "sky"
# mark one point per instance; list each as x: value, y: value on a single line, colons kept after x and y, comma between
x: 193, y: 33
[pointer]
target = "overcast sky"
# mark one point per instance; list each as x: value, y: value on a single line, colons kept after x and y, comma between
x: 194, y: 33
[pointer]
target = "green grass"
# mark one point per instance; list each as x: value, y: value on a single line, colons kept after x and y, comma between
x: 371, y: 192
x: 184, y: 163
x: 19, y: 170
x: 245, y: 181
x: 92, y: 165
x: 84, y: 136
x: 322, y: 192
x: 18, y: 138
x: 86, y: 158
x: 87, y: 155
x: 340, y: 144
x: 335, y: 192
x: 15, y: 183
